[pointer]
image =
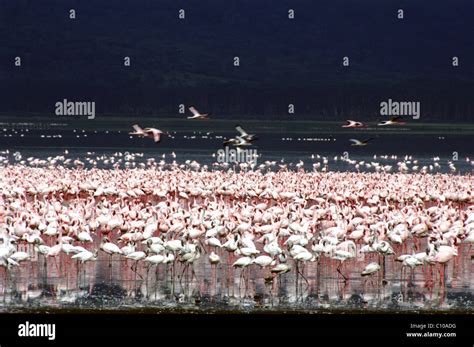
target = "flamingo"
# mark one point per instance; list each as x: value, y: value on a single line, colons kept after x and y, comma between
x: 356, y: 142
x: 353, y: 124
x: 196, y: 114
x: 393, y: 121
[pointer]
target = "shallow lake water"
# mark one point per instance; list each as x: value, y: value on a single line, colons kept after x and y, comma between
x: 112, y: 283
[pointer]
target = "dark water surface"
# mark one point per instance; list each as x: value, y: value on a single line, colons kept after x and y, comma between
x: 386, y: 149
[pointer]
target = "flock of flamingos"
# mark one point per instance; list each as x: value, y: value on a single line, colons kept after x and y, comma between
x: 272, y: 220
x: 278, y: 218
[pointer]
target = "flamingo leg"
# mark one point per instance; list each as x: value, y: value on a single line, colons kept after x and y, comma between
x: 303, y: 276
x: 339, y: 271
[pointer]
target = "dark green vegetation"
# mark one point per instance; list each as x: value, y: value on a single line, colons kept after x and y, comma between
x: 282, y: 61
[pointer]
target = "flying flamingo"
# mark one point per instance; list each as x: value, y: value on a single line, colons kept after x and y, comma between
x: 196, y: 114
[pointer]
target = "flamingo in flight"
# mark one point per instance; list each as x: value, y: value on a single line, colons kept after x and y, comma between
x: 356, y: 142
x: 354, y: 124
x: 393, y: 121
x: 196, y: 114
x: 243, y: 134
x: 153, y: 133
x: 244, y: 139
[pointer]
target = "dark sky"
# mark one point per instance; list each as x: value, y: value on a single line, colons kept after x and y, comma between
x: 192, y: 59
